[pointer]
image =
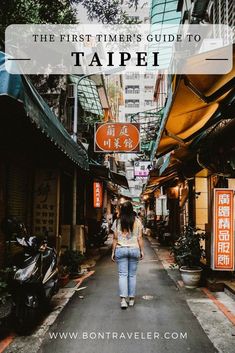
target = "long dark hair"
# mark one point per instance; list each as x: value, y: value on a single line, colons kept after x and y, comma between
x: 127, y: 216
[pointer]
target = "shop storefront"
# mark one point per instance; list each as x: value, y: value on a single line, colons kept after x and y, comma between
x: 197, y: 145
x: 35, y: 153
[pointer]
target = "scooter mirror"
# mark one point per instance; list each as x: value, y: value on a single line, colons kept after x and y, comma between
x: 22, y: 231
x: 11, y: 227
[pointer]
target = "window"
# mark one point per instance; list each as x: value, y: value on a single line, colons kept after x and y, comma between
x: 132, y: 103
x: 148, y: 76
x: 138, y: 187
x: 165, y: 12
x: 148, y: 103
x: 148, y: 89
x: 132, y: 76
x: 132, y: 89
x: 129, y: 174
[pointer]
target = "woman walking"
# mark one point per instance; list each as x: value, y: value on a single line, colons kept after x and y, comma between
x: 127, y: 250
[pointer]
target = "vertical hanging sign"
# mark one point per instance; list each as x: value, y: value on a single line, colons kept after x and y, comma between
x: 97, y: 194
x: 223, y: 230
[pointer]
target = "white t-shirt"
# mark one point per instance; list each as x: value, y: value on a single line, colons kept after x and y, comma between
x: 131, y: 238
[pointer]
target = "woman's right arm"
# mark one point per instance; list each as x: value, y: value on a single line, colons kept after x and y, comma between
x: 114, y: 245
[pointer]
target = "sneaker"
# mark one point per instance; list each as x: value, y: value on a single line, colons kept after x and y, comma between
x: 131, y: 301
x: 124, y: 304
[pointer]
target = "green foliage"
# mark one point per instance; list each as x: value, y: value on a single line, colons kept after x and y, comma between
x: 108, y: 11
x: 187, y: 249
x: 41, y: 11
x: 60, y: 11
x: 71, y: 259
x: 31, y: 11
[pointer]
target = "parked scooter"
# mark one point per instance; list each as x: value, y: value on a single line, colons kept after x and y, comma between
x: 151, y: 225
x: 104, y: 231
x: 163, y: 235
x: 98, y: 233
x: 35, y: 276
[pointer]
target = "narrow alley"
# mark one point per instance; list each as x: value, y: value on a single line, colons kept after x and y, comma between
x: 117, y: 155
x: 163, y: 313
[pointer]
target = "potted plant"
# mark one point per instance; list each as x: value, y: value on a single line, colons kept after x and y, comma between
x: 72, y: 259
x: 5, y: 301
x: 188, y: 252
x: 63, y: 276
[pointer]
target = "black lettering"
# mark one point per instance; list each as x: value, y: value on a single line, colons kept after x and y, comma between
x: 124, y: 57
x: 110, y: 60
x: 96, y: 60
x: 77, y: 54
x: 141, y: 57
x: 155, y: 58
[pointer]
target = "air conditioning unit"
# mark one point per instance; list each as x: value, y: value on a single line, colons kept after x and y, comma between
x: 71, y: 90
x: 210, y: 44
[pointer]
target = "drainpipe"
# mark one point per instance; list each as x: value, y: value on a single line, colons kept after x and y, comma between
x: 74, y: 198
x: 74, y: 212
x: 75, y: 128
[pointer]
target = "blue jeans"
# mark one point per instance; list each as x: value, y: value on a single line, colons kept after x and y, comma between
x: 127, y: 259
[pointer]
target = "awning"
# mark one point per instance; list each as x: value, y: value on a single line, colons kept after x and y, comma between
x: 105, y: 174
x: 165, y: 164
x: 192, y: 101
x: 99, y: 171
x: 149, y: 190
x: 217, y: 151
x: 119, y: 179
x: 120, y: 195
x: 87, y: 94
x: 156, y: 182
x: 19, y: 88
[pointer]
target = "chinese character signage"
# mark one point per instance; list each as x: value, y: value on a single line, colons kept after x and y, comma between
x: 97, y: 194
x: 117, y: 137
x: 141, y: 169
x: 223, y: 234
x: 45, y: 217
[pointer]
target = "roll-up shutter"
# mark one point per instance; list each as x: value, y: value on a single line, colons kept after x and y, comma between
x: 18, y: 192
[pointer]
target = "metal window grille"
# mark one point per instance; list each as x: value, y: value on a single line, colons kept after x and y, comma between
x: 223, y: 12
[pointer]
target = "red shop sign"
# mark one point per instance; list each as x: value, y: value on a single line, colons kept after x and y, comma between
x: 117, y: 137
x: 97, y: 194
x: 223, y: 230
